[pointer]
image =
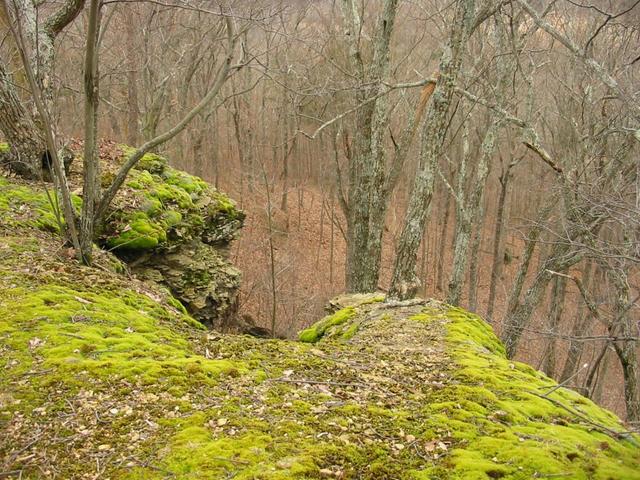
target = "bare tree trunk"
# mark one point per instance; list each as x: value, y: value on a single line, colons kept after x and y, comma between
x: 405, y: 283
x: 517, y: 319
x: 468, y: 212
x: 596, y: 388
x: 474, y: 256
x: 555, y: 315
x: 443, y: 241
x: 367, y: 205
x: 523, y: 270
x: 627, y: 348
x: 581, y: 326
x: 91, y: 163
x: 133, y: 112
x: 498, y: 255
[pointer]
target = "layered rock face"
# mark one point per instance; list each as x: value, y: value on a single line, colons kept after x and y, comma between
x: 175, y: 229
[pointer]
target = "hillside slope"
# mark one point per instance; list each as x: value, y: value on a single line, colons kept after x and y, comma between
x: 105, y: 376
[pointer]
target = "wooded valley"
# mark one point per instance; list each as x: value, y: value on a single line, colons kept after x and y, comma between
x: 484, y: 153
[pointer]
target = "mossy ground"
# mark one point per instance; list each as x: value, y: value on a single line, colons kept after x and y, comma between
x: 103, y: 376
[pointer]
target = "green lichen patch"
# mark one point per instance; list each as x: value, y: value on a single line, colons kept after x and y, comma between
x: 4, y: 147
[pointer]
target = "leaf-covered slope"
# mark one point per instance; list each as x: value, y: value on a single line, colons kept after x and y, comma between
x: 103, y: 376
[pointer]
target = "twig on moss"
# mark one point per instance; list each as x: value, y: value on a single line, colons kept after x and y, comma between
x: 231, y: 460
x: 603, y: 428
x: 72, y: 335
x: 556, y: 387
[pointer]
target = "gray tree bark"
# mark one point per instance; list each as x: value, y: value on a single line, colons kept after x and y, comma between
x: 581, y: 326
x: 555, y: 315
x: 498, y: 254
x: 366, y: 168
x: 26, y: 140
x: 467, y: 212
x: 405, y: 282
x: 29, y: 155
x: 91, y: 163
x: 627, y: 348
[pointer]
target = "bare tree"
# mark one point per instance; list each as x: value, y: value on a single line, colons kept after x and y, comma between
x: 405, y: 282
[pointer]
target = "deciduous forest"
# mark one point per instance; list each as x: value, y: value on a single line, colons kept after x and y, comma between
x: 187, y: 186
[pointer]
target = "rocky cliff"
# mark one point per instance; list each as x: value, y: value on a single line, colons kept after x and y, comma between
x: 107, y: 375
x: 174, y: 229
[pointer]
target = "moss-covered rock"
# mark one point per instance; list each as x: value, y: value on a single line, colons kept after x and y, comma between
x: 161, y: 208
x: 204, y: 281
x: 174, y: 228
x: 159, y: 218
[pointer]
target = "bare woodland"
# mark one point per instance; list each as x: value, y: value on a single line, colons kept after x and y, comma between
x: 485, y: 152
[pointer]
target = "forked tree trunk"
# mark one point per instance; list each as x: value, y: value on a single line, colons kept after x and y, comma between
x: 405, y: 282
x: 468, y: 213
x: 367, y: 202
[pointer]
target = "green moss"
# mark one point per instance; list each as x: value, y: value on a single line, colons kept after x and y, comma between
x: 172, y: 218
x: 175, y: 303
x: 4, y: 147
x: 24, y: 206
x: 505, y: 427
x: 226, y: 206
x: 150, y: 162
x: 141, y: 233
x: 162, y: 205
x: 316, y: 331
